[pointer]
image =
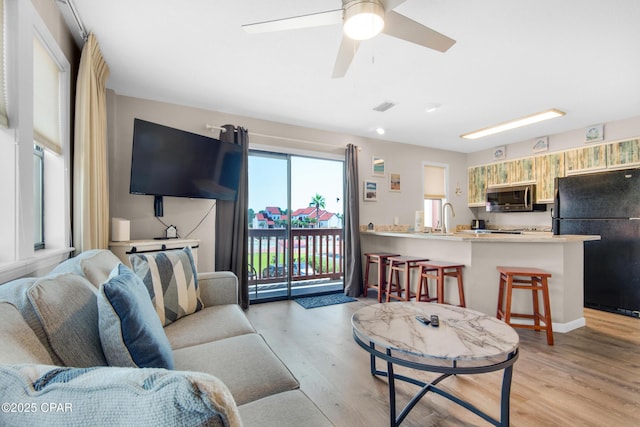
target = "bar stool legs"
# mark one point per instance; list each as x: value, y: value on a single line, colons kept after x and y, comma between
x: 439, y: 270
x: 534, y: 280
x: 404, y: 265
x: 382, y: 259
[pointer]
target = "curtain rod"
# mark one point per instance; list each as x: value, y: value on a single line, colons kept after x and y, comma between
x: 283, y: 138
x: 76, y: 18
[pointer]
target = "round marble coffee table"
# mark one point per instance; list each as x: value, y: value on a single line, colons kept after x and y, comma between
x: 466, y: 342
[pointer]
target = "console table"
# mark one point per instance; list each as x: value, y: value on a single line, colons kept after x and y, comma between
x: 466, y: 342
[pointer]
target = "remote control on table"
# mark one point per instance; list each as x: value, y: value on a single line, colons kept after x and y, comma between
x: 423, y: 320
x: 435, y: 321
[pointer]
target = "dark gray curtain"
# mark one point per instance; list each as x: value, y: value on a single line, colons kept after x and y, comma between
x: 232, y: 220
x: 352, y: 259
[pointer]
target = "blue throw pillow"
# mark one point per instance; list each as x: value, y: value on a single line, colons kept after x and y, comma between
x: 130, y: 330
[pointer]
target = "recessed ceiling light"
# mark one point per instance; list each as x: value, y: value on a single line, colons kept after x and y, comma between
x: 516, y: 123
x: 380, y: 131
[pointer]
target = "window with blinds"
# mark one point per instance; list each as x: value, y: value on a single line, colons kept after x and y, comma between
x: 46, y: 98
x: 434, y: 188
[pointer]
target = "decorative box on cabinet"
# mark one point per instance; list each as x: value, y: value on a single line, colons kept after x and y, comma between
x: 477, y: 186
x: 584, y: 160
x: 548, y: 167
x: 123, y: 249
x: 623, y: 154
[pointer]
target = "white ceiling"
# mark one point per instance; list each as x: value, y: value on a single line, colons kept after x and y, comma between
x: 512, y: 58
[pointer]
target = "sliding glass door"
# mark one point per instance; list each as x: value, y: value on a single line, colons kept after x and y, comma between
x: 295, y: 226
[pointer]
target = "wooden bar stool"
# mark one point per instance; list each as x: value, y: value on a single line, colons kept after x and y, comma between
x: 531, y: 279
x: 380, y: 258
x: 439, y: 270
x: 397, y: 265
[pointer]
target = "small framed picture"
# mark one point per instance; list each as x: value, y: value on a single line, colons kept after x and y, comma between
x: 377, y: 166
x: 594, y: 133
x: 394, y: 181
x: 500, y: 153
x: 370, y: 191
x: 540, y: 144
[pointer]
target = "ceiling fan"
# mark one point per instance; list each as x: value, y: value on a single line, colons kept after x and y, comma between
x: 362, y: 20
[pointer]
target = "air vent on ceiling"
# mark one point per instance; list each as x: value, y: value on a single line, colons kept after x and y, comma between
x: 384, y: 106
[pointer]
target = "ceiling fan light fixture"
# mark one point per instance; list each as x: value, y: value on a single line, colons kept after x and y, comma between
x: 363, y: 19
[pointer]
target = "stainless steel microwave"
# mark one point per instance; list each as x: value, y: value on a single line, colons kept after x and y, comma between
x: 518, y: 198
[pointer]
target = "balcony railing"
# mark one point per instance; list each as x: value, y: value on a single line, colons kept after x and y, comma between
x: 316, y: 253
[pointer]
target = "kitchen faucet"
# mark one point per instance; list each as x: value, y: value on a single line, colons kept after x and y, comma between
x: 443, y: 217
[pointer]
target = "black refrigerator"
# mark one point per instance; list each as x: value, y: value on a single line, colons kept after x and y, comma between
x: 607, y: 204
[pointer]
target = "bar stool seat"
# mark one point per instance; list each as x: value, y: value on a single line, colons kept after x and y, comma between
x: 380, y: 258
x: 439, y: 270
x: 531, y: 279
x: 401, y: 264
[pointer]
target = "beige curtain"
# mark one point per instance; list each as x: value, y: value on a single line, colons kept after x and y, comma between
x: 90, y: 174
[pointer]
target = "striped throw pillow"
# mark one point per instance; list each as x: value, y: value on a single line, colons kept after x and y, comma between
x: 171, y: 279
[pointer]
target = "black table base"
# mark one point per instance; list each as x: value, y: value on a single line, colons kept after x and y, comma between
x: 446, y: 371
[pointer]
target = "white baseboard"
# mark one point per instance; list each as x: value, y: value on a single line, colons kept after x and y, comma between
x: 561, y: 328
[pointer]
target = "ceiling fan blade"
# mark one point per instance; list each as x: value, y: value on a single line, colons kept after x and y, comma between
x: 348, y: 49
x: 304, y: 21
x: 389, y: 5
x: 401, y: 27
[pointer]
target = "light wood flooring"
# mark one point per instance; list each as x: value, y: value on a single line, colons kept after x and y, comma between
x: 590, y: 377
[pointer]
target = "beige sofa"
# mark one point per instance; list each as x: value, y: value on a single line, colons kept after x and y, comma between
x: 42, y: 324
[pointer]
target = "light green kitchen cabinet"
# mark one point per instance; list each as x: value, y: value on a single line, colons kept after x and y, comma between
x: 497, y: 174
x: 522, y: 170
x: 624, y: 153
x: 584, y: 160
x: 477, y: 186
x: 548, y: 167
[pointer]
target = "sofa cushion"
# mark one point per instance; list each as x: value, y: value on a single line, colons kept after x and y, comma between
x: 290, y: 408
x: 67, y: 308
x: 16, y: 292
x: 172, y: 282
x: 107, y: 396
x: 244, y: 363
x: 95, y: 265
x: 19, y: 342
x: 130, y: 331
x: 209, y: 324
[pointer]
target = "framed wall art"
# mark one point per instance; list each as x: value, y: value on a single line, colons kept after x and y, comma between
x: 540, y: 144
x: 394, y: 181
x: 594, y: 133
x: 377, y: 166
x: 370, y: 191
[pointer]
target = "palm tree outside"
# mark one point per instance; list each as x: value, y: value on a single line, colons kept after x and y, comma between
x: 319, y: 203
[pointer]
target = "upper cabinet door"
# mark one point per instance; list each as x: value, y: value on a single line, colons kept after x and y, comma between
x: 623, y: 154
x: 522, y: 171
x: 584, y: 160
x: 548, y: 167
x: 497, y: 174
x: 477, y: 186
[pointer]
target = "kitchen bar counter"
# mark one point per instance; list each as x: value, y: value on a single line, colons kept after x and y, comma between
x: 562, y: 256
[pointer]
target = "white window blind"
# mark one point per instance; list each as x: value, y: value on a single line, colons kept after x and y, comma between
x: 46, y: 98
x: 4, y: 119
x: 434, y: 182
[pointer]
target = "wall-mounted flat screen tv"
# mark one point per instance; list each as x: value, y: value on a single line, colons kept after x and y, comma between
x: 172, y: 162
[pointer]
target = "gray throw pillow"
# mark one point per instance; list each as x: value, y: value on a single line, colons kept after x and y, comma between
x: 130, y: 331
x: 172, y: 282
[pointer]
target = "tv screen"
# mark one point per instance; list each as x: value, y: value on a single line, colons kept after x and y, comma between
x: 172, y: 162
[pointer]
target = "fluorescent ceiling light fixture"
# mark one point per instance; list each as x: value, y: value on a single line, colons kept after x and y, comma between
x: 380, y: 131
x: 363, y: 19
x: 512, y: 124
